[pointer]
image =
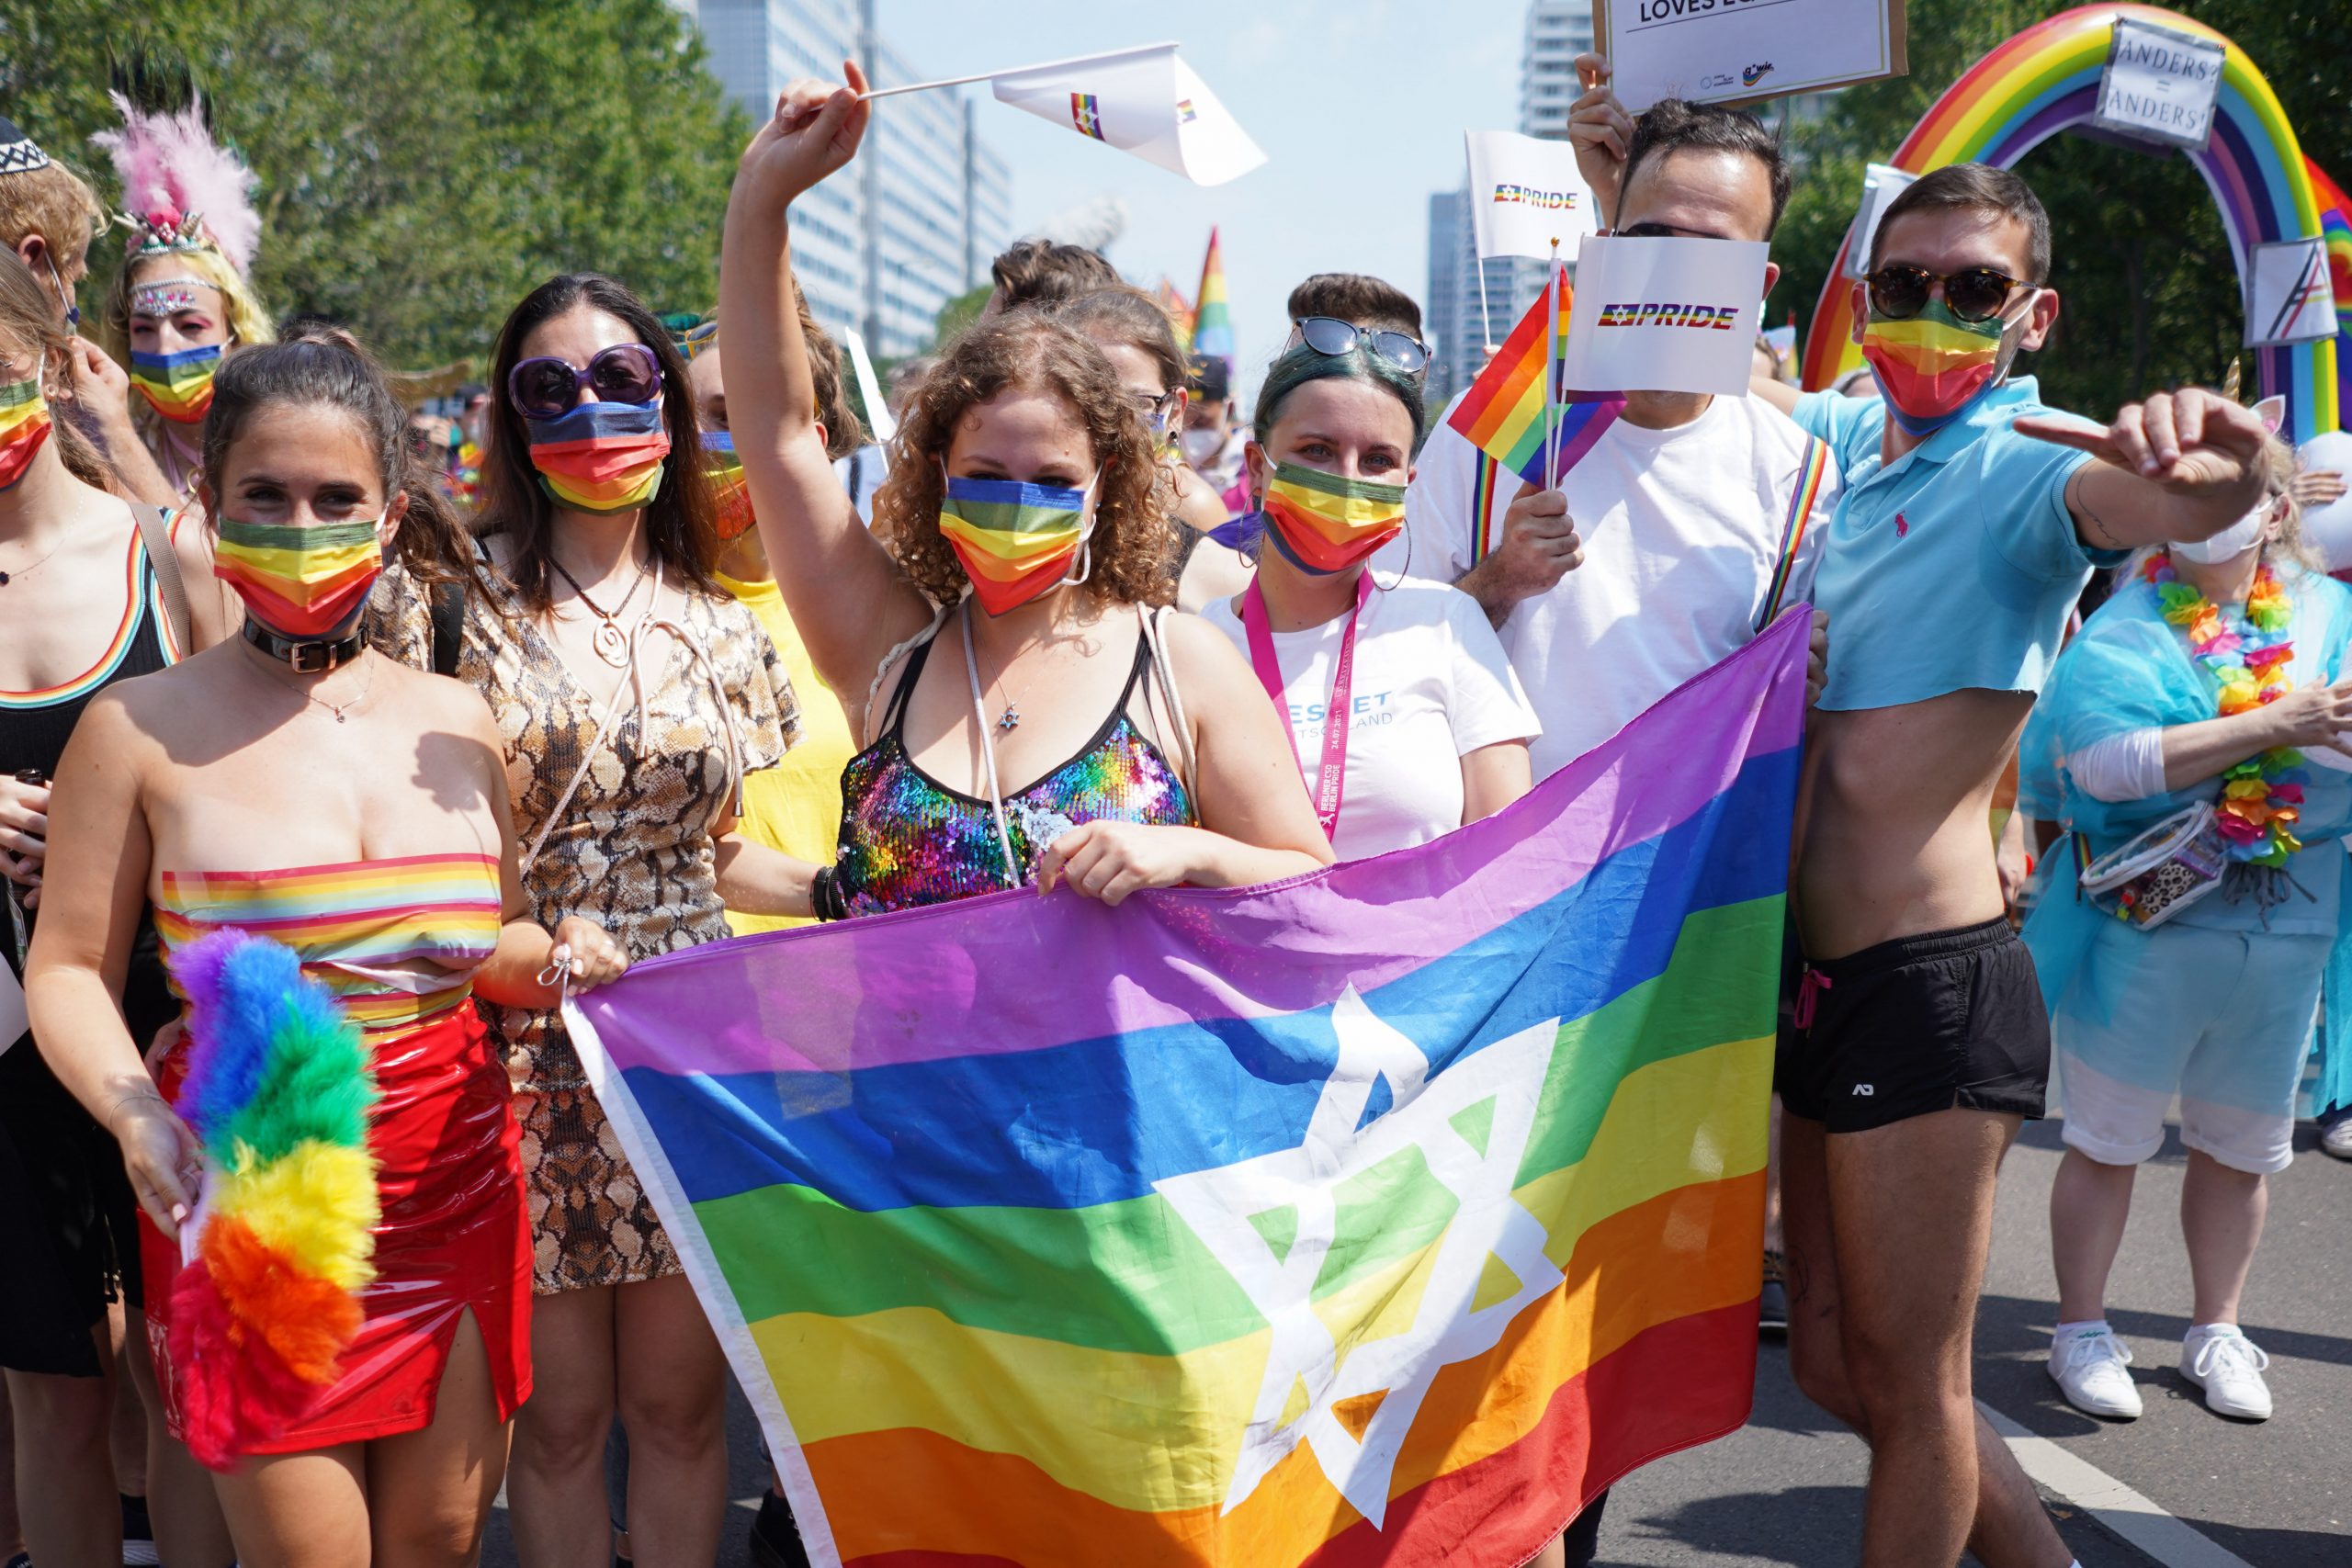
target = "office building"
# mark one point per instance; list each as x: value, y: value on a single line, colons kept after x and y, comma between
x: 1452, y: 315
x: 915, y: 220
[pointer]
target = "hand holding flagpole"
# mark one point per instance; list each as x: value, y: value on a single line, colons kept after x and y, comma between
x: 814, y: 132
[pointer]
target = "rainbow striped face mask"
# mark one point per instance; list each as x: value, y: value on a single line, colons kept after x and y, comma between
x: 1323, y: 524
x: 23, y: 425
x: 1014, y: 540
x: 726, y: 471
x: 1933, y: 365
x: 601, y: 458
x: 177, y: 386
x: 299, y: 580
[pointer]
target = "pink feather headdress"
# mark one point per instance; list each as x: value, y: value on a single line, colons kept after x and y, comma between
x: 181, y: 190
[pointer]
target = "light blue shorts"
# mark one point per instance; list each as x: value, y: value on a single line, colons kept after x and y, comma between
x: 2221, y: 1018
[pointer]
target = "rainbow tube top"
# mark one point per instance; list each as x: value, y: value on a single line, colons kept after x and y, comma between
x: 396, y: 940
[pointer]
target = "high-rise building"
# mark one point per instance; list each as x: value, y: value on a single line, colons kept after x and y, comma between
x: 1454, y: 315
x: 1556, y: 33
x: 915, y: 220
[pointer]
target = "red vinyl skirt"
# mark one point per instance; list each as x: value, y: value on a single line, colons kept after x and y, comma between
x: 454, y: 1238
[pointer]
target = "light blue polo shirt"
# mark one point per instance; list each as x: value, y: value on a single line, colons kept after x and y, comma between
x: 1953, y: 567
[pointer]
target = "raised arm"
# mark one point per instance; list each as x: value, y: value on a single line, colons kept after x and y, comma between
x: 847, y: 597
x: 1601, y: 132
x: 2182, y: 465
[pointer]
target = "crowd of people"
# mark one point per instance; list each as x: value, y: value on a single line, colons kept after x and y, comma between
x: 655, y: 643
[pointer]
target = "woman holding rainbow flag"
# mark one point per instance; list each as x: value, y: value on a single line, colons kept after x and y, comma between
x: 338, y: 1260
x: 1026, y: 506
x: 2193, y: 911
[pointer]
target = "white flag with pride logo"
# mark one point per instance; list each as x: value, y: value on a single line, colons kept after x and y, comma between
x: 1525, y: 194
x: 1144, y: 101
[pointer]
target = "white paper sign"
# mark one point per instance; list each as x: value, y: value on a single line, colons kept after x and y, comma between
x: 1525, y: 195
x: 2160, y: 84
x: 1881, y: 183
x: 1668, y: 315
x: 1726, y: 50
x: 2288, y: 296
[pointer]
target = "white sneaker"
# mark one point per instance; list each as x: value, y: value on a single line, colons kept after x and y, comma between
x: 2228, y: 1366
x: 2338, y: 1140
x: 2087, y: 1365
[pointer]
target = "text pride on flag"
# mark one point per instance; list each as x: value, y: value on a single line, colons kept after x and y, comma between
x: 1380, y: 1216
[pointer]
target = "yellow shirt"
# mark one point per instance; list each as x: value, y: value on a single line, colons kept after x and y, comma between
x: 795, y: 805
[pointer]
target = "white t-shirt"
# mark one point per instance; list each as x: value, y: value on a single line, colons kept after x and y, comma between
x: 1431, y: 686
x: 1683, y: 532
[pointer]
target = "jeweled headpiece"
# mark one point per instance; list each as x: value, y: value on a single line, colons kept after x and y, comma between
x: 181, y: 190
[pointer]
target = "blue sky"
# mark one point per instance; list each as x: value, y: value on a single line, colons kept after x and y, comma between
x: 1359, y: 106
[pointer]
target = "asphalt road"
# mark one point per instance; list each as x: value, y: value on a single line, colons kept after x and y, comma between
x: 1786, y: 1490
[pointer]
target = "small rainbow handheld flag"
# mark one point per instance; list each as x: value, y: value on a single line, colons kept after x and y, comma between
x: 1383, y: 1216
x: 1504, y: 411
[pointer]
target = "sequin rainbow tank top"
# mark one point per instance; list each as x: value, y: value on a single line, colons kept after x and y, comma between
x: 907, y: 839
x: 397, y: 941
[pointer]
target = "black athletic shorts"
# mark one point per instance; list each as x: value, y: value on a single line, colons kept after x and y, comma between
x: 1920, y: 1024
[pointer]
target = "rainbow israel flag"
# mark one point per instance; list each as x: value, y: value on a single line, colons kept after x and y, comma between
x: 1504, y: 411
x: 1380, y: 1216
x: 1211, y: 319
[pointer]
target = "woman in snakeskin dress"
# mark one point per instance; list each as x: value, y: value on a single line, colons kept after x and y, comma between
x: 632, y: 694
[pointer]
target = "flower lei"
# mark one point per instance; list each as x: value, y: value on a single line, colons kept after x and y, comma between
x: 2262, y: 797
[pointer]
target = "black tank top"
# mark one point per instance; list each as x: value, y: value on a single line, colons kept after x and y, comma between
x: 35, y: 725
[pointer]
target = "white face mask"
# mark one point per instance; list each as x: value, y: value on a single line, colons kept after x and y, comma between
x: 1201, y: 446
x: 2230, y: 543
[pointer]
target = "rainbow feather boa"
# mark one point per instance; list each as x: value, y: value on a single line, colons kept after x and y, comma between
x: 278, y: 1088
x: 2251, y: 663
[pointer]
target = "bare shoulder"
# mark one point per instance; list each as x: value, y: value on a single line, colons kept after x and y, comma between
x: 438, y: 700
x: 1201, y: 652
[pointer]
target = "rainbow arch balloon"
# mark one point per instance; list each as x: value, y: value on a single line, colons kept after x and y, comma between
x: 2045, y: 80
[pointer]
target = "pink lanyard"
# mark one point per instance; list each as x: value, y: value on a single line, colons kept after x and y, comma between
x: 1332, y: 783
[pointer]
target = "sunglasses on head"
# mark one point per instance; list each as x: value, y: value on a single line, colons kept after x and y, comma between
x: 1329, y: 335
x: 1972, y: 294
x: 549, y: 388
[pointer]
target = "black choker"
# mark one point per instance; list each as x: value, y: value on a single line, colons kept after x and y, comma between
x: 305, y: 656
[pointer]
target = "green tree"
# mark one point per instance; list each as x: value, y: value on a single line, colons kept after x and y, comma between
x: 423, y: 165
x: 2150, y: 290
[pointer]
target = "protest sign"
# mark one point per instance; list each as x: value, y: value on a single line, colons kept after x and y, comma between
x: 2160, y: 84
x: 1665, y: 315
x: 1727, y: 51
x: 1525, y: 194
x: 1881, y: 183
x: 2288, y: 298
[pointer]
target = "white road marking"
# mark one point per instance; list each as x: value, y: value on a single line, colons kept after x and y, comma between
x: 2108, y: 1500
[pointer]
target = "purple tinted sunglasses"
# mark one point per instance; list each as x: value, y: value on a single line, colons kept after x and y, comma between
x: 549, y: 388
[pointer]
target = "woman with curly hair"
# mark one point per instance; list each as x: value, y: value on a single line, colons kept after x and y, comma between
x: 1024, y: 480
